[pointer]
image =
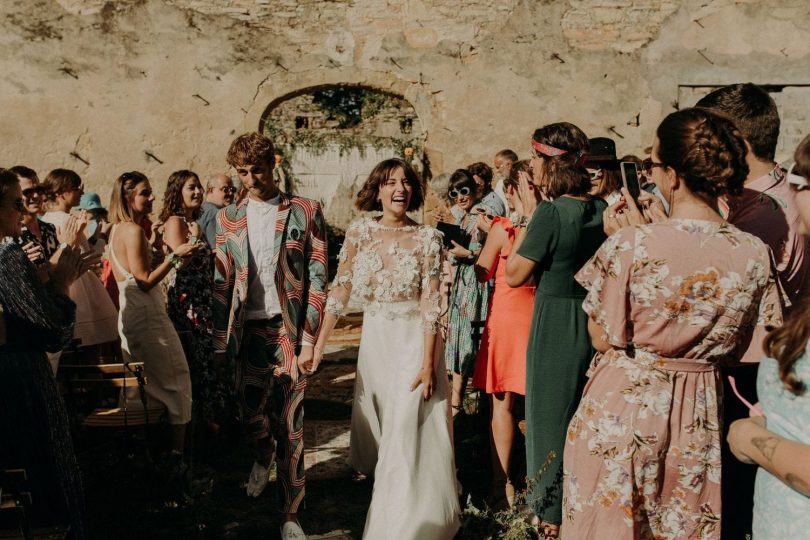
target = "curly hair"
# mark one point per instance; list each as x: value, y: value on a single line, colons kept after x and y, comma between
x: 173, y: 196
x: 368, y: 196
x: 706, y: 150
x: 564, y: 174
x: 251, y: 149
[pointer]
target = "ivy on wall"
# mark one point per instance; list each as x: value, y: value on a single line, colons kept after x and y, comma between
x: 346, y: 117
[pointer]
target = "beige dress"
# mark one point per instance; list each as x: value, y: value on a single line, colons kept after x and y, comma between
x: 148, y: 336
x: 642, y: 456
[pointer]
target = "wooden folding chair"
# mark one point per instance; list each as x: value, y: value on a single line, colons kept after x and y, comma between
x: 87, y: 379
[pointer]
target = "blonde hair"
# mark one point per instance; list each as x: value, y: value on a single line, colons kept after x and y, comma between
x: 123, y: 188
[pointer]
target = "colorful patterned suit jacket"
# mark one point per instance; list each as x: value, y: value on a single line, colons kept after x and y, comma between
x: 301, y: 275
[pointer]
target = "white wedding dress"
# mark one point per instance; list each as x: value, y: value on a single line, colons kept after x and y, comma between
x: 403, y: 440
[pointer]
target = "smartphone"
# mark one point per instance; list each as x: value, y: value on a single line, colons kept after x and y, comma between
x: 630, y: 178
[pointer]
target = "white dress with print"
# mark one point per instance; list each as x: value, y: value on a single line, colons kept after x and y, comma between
x: 403, y: 440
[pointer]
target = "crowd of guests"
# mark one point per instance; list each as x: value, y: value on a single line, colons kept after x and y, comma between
x: 657, y: 341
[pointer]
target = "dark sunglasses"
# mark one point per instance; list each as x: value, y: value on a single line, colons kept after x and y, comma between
x: 228, y: 190
x: 30, y: 192
x: 462, y: 191
x: 648, y: 165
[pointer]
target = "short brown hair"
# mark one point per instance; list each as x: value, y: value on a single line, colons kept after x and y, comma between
x: 564, y: 174
x: 173, y: 196
x: 251, y: 149
x: 367, y: 196
x: 123, y: 188
x: 25, y: 172
x: 60, y: 180
x: 754, y: 112
x: 484, y: 172
x: 706, y: 149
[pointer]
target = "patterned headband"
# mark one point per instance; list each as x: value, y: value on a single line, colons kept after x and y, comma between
x: 547, y: 150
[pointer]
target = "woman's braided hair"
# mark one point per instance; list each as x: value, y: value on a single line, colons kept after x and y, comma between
x: 706, y: 150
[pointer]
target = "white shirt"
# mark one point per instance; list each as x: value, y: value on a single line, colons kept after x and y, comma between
x: 498, y: 189
x: 262, y: 299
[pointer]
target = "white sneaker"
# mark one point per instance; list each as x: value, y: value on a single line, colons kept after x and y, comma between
x: 292, y: 531
x: 258, y: 479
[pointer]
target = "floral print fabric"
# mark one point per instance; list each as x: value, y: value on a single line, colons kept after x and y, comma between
x: 390, y: 270
x: 674, y: 299
x: 189, y: 308
x: 469, y: 303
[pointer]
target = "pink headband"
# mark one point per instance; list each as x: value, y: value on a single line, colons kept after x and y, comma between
x: 551, y: 151
x: 547, y: 150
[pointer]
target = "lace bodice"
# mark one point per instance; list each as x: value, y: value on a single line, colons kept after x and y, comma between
x: 395, y: 271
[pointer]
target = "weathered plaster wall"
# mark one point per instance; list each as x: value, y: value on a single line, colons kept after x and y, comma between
x: 111, y: 81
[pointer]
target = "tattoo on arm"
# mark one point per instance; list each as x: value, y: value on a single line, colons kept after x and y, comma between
x: 794, y: 481
x: 766, y: 445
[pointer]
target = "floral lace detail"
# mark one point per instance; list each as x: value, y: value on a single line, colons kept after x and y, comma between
x: 393, y: 271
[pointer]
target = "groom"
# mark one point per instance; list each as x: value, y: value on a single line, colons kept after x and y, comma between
x: 269, y: 292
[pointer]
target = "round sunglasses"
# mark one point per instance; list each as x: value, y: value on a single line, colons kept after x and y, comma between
x: 463, y: 191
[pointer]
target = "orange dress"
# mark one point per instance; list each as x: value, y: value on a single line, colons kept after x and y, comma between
x: 501, y: 362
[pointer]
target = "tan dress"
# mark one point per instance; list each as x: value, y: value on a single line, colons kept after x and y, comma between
x: 642, y: 456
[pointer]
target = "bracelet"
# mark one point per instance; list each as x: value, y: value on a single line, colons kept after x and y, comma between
x: 175, y: 260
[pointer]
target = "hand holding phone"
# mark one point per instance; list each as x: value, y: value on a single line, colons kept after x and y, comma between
x: 630, y: 178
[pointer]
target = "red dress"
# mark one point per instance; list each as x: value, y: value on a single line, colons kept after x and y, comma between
x: 501, y: 362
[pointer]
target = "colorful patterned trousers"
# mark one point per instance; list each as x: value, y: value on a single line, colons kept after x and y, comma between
x: 268, y: 400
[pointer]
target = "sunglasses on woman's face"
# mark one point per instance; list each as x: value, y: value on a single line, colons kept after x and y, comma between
x: 30, y: 192
x: 647, y: 165
x: 461, y: 192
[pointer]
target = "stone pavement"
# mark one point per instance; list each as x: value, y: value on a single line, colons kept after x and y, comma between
x: 327, y: 407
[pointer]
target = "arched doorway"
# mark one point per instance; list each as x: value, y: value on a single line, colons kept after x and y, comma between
x: 330, y: 137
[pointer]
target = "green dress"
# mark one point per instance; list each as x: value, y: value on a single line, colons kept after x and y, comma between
x: 561, y: 237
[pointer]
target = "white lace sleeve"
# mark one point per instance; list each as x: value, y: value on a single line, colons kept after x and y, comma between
x: 430, y: 301
x: 341, y: 288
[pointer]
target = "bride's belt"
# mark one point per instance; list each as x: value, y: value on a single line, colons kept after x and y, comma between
x: 402, y: 309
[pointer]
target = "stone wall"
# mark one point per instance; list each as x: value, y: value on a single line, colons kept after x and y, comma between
x: 104, y: 87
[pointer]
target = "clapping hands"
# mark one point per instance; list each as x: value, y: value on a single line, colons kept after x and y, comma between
x: 71, y: 232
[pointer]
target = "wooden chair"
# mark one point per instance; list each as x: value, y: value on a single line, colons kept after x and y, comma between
x: 87, y: 380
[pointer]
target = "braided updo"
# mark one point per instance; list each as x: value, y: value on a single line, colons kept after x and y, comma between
x: 706, y: 150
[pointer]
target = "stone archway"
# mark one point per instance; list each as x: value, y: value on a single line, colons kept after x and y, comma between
x: 330, y: 137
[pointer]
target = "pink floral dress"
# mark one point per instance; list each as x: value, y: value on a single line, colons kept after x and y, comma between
x: 674, y: 299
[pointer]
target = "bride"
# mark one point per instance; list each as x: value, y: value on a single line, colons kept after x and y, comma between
x: 400, y: 423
